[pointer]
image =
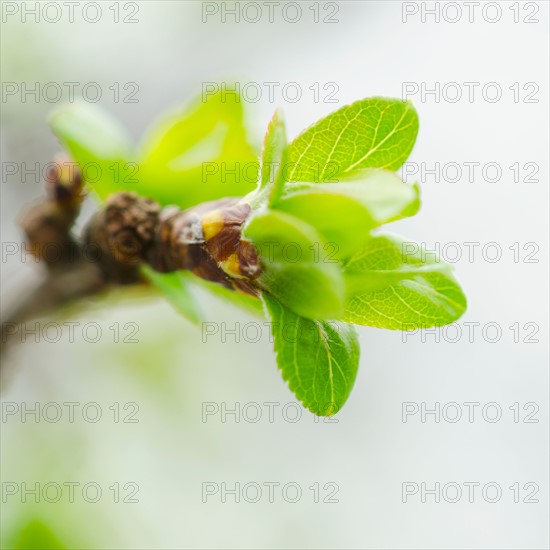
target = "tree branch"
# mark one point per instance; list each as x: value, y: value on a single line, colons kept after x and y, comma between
x: 125, y: 233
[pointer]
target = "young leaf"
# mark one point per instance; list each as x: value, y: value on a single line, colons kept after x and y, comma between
x: 248, y: 303
x: 99, y: 145
x: 34, y: 534
x: 274, y: 158
x: 397, y: 284
x: 179, y: 288
x: 318, y: 359
x: 175, y: 287
x: 296, y: 268
x: 371, y: 133
x: 345, y: 212
x: 199, y: 154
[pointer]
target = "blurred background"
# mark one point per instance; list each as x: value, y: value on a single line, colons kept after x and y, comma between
x: 150, y: 447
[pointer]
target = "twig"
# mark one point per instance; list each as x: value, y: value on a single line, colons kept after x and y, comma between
x: 125, y: 233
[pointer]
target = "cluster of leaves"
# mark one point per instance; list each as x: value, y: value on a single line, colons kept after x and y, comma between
x: 316, y: 208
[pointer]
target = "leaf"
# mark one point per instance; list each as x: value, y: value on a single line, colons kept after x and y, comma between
x: 398, y: 284
x: 371, y: 133
x: 179, y: 288
x: 199, y: 153
x: 246, y: 302
x: 345, y: 212
x: 36, y: 535
x: 175, y: 287
x: 296, y: 268
x: 274, y: 158
x: 99, y: 145
x: 318, y: 359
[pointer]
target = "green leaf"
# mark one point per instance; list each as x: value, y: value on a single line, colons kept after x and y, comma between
x: 198, y: 154
x: 318, y: 359
x: 296, y: 268
x: 179, y: 287
x: 36, y: 535
x: 175, y: 287
x: 248, y: 303
x: 274, y: 158
x: 99, y: 145
x: 397, y: 284
x: 345, y: 212
x: 371, y: 133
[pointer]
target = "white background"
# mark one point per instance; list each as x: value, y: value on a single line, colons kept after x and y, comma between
x: 370, y: 452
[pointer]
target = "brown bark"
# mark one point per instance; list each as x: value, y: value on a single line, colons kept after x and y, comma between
x: 126, y: 232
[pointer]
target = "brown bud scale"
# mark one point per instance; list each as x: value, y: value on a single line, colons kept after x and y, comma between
x: 206, y: 240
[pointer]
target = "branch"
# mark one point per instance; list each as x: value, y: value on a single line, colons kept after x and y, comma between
x: 125, y: 233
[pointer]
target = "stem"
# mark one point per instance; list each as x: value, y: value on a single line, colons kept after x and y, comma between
x: 126, y: 232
